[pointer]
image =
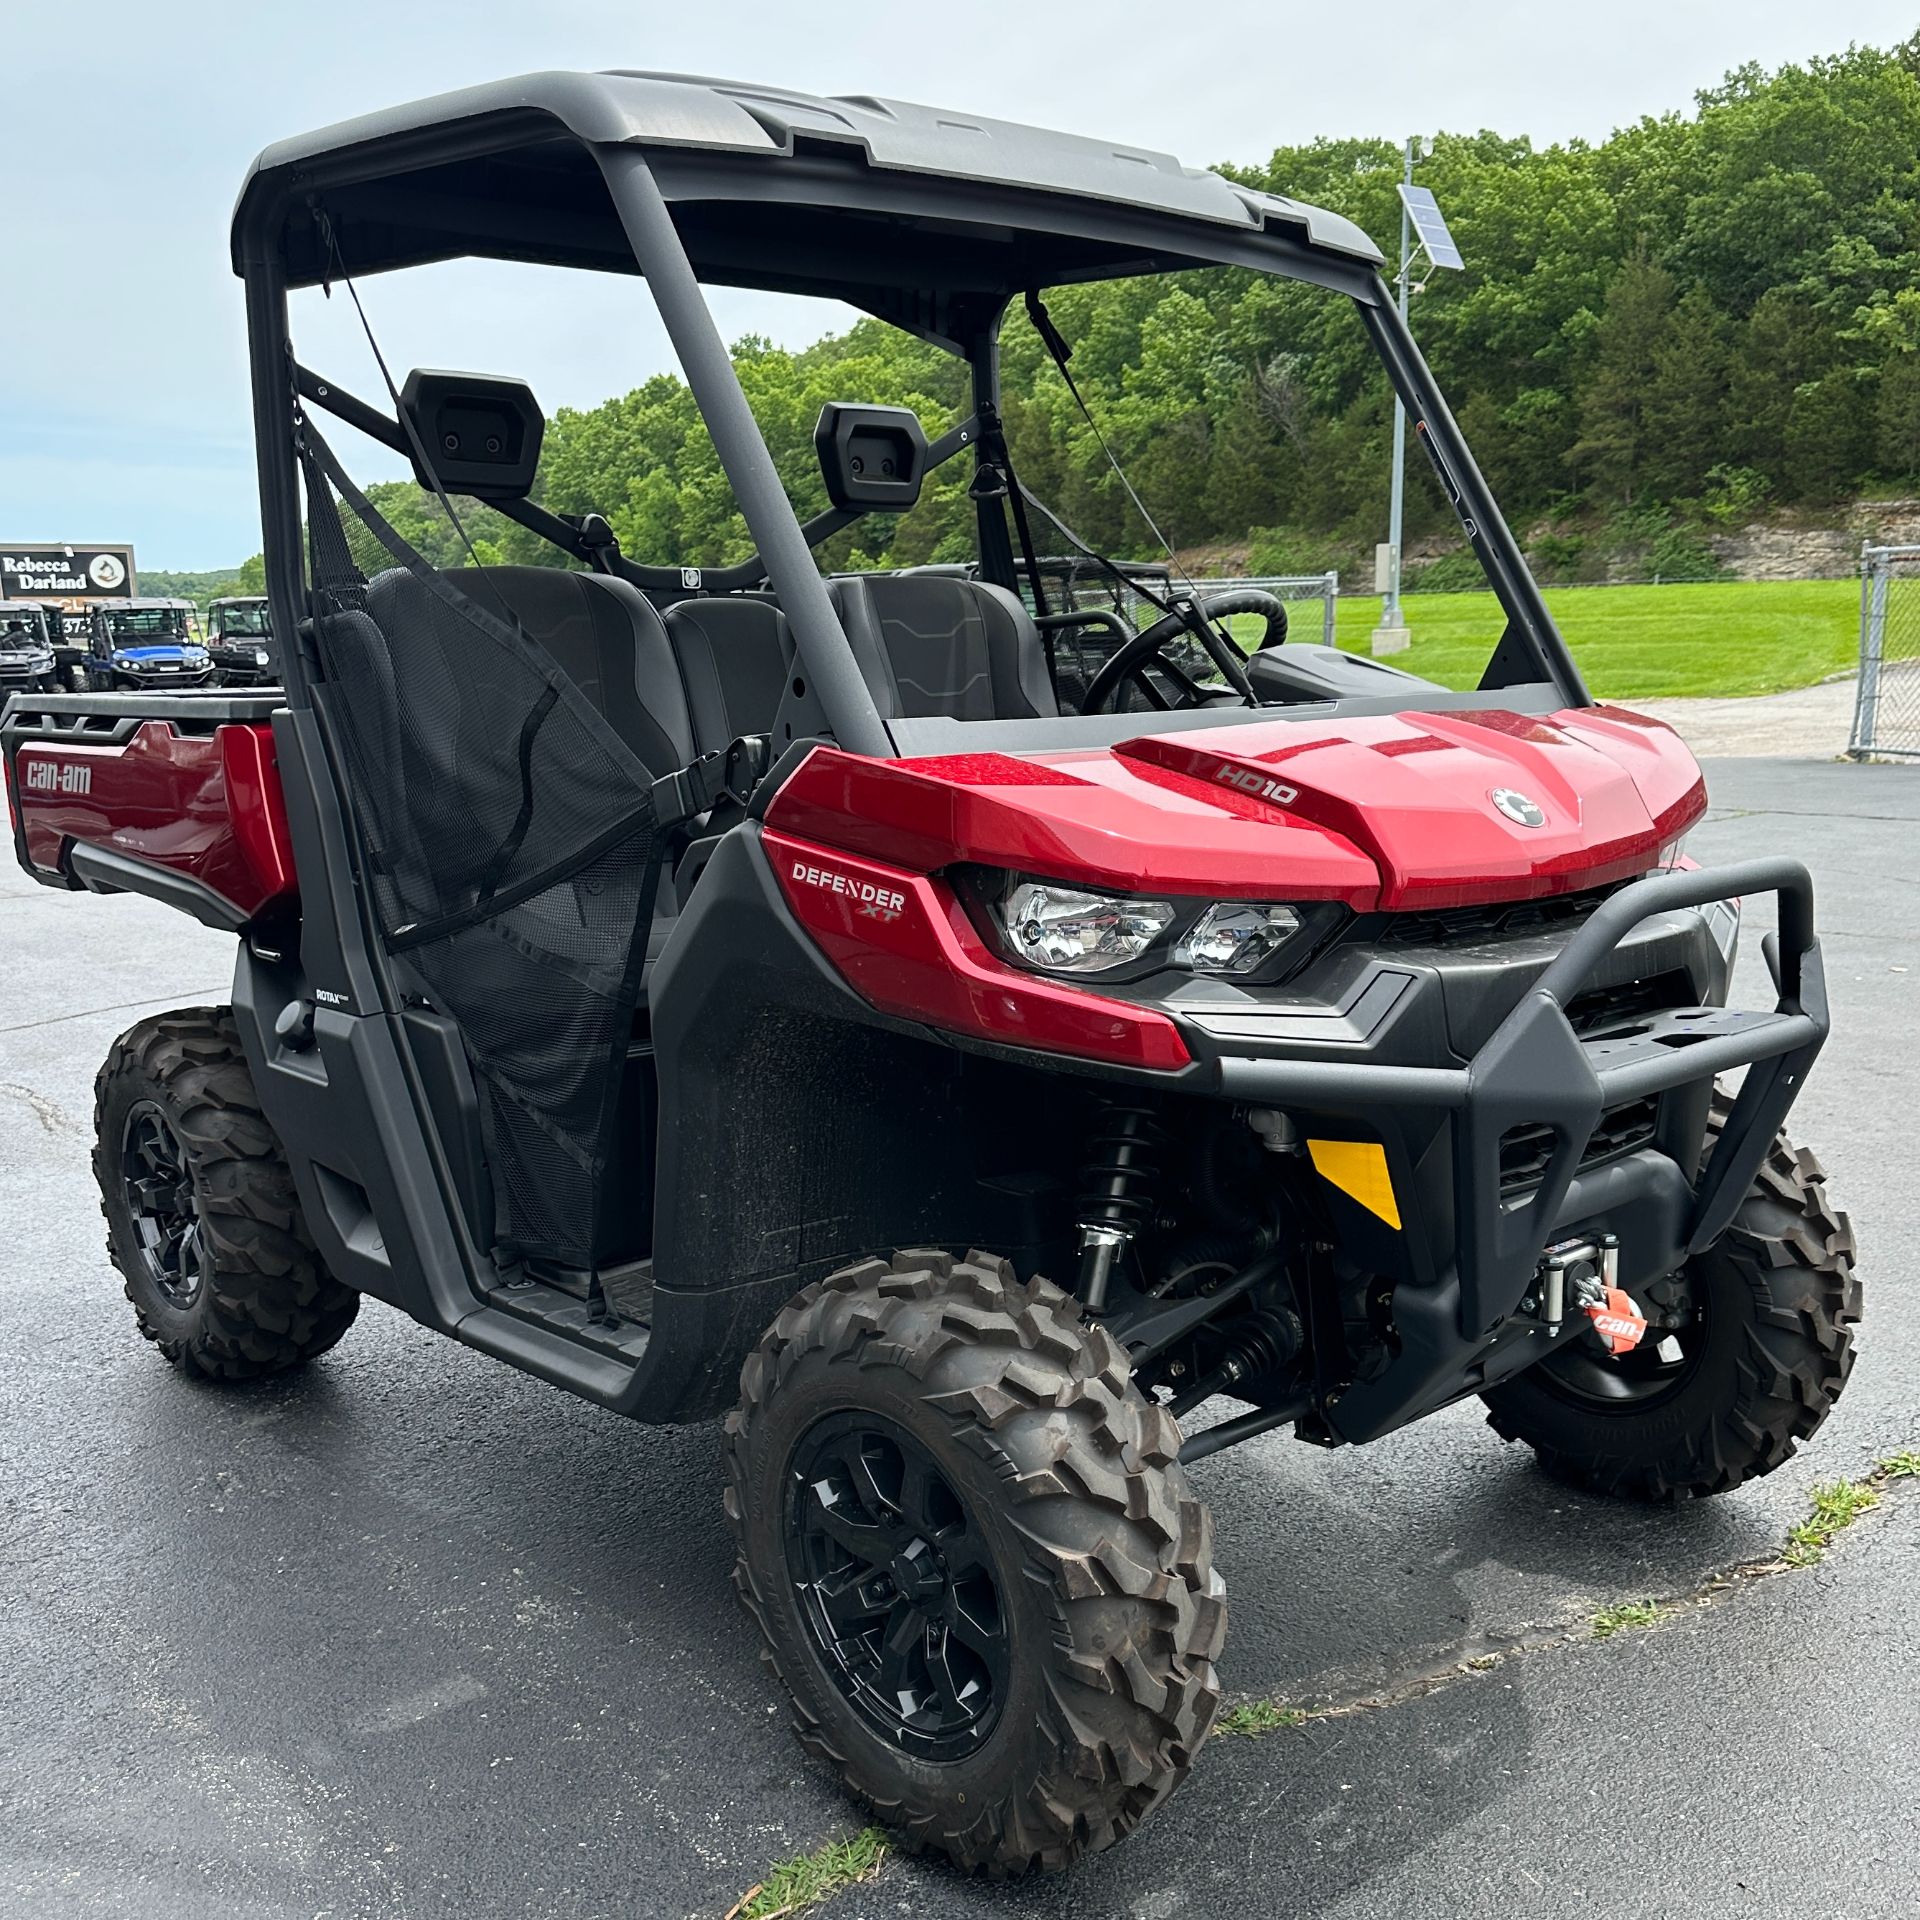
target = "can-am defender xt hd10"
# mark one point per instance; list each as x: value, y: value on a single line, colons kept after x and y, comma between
x: 730, y: 988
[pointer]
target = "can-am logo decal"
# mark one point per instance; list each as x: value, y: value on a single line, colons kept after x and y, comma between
x: 877, y: 903
x: 1517, y: 807
x: 57, y: 776
x: 1256, y: 784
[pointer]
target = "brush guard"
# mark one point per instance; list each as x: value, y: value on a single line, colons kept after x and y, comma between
x: 1536, y: 1070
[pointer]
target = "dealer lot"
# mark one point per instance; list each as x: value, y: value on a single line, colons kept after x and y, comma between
x: 412, y: 1634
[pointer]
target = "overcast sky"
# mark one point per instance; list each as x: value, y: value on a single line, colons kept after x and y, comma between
x: 128, y: 126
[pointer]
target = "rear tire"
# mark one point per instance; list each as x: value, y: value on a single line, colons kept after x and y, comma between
x: 1069, y: 1528
x: 1779, y: 1301
x: 203, y: 1224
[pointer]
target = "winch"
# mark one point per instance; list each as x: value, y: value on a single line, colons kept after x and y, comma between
x: 1583, y: 1276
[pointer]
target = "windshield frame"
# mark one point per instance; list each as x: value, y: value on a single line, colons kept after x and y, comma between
x: 1530, y: 653
x: 176, y: 630
x: 39, y: 635
x: 256, y: 612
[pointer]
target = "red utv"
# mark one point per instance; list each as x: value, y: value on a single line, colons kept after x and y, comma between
x: 726, y: 990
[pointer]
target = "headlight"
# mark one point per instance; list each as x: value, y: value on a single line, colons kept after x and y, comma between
x: 1235, y: 936
x: 123, y: 659
x: 260, y: 656
x: 1065, y: 931
x: 193, y: 653
x: 1060, y: 929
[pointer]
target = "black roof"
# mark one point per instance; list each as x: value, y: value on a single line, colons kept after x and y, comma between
x: 506, y: 170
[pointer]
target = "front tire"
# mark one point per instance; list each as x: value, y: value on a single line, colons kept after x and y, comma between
x: 976, y: 1561
x: 1775, y: 1300
x: 203, y: 1224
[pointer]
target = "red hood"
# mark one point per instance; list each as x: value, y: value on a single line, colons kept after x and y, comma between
x: 1389, y: 811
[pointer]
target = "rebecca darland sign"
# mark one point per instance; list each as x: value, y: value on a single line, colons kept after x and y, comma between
x: 30, y: 572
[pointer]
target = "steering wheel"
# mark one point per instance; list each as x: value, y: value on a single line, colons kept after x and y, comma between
x: 1130, y: 659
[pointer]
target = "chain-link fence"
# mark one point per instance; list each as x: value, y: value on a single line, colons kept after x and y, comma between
x: 1302, y: 588
x: 1886, y: 714
x: 1077, y: 584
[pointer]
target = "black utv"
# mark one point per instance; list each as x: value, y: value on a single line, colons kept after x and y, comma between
x: 240, y: 642
x: 26, y: 649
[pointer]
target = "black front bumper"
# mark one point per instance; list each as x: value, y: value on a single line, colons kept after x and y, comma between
x: 1444, y: 1126
x: 241, y: 669
x: 152, y: 679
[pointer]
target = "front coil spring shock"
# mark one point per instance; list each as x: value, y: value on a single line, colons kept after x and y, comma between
x: 1123, y: 1176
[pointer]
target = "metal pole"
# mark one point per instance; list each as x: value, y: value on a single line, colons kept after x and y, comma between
x: 1873, y: 639
x: 1390, y: 614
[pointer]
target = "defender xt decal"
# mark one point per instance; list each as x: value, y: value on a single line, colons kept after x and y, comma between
x: 877, y: 903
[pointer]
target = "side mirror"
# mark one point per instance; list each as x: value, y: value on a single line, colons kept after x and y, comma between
x: 482, y: 433
x: 872, y: 458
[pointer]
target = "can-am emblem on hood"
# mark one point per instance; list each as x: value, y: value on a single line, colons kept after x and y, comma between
x: 1517, y: 807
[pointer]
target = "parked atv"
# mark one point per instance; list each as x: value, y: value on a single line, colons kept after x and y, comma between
x: 26, y: 649
x: 716, y: 988
x: 240, y: 643
x: 144, y: 643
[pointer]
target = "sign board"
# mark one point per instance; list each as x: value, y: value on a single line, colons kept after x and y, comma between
x: 51, y: 571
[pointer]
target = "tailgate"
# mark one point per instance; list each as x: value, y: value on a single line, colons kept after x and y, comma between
x: 175, y: 795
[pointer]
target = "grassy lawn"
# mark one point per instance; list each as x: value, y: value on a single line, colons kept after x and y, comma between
x: 1639, y: 643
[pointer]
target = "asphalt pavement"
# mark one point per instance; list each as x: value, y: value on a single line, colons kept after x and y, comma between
x: 410, y: 1634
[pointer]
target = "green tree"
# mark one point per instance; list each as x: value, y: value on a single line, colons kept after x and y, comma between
x: 1897, y: 422
x: 1634, y: 331
x: 1685, y: 409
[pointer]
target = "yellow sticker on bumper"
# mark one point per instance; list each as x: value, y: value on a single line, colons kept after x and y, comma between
x: 1359, y: 1169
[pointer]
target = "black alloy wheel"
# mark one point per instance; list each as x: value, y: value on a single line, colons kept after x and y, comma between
x: 975, y: 1557
x: 896, y: 1585
x: 203, y: 1220
x: 159, y: 1192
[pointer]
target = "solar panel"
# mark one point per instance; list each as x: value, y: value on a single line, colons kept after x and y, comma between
x: 1430, y: 224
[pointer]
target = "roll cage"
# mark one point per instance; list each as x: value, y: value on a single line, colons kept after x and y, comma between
x: 29, y: 617
x: 244, y: 616
x: 933, y: 222
x: 135, y: 622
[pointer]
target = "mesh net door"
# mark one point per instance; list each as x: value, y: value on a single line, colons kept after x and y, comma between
x: 511, y: 848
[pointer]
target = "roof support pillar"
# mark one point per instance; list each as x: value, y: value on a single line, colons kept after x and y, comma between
x: 823, y: 646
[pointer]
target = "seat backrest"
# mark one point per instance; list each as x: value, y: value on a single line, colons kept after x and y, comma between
x: 735, y: 654
x: 609, y: 640
x: 932, y: 644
